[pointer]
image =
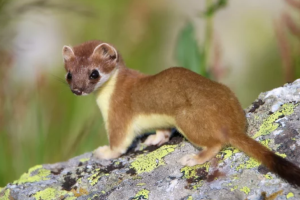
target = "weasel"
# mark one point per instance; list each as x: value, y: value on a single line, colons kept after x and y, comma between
x: 205, y: 112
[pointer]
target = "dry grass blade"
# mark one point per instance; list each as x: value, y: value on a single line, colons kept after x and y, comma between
x: 291, y: 25
x: 284, y: 51
x: 294, y: 3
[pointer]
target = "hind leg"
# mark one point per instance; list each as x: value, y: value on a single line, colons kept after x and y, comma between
x: 205, y: 155
x: 202, y: 133
x: 162, y: 136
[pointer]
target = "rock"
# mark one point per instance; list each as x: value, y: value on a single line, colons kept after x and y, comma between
x: 154, y: 173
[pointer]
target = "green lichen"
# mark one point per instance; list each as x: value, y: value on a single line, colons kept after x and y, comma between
x: 6, y: 195
x: 142, y: 194
x: 49, y: 194
x: 289, y: 195
x: 141, y: 184
x: 84, y: 160
x: 269, y: 124
x: 246, y: 190
x: 150, y: 161
x: 35, y: 174
x: 191, y: 172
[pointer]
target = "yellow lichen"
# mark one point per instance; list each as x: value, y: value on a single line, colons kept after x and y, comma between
x: 84, y: 160
x: 268, y: 176
x: 94, y: 178
x: 37, y: 173
x: 233, y: 188
x: 191, y: 172
x: 190, y: 198
x: 289, y: 195
x: 199, y: 184
x: 250, y: 163
x: 70, y: 198
x: 281, y: 154
x: 141, y: 184
x: 245, y: 189
x: 49, y: 194
x: 93, y: 197
x: 269, y: 124
x: 6, y: 195
x: 150, y: 161
x: 142, y: 194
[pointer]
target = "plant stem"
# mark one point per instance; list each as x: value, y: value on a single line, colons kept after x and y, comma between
x: 208, y: 37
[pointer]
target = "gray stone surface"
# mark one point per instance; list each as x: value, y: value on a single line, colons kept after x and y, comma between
x: 154, y: 173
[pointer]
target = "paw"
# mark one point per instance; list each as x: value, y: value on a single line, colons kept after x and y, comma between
x: 161, y: 137
x: 151, y: 140
x: 105, y: 153
x: 189, y: 160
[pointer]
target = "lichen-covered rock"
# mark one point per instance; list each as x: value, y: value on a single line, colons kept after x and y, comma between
x: 154, y: 173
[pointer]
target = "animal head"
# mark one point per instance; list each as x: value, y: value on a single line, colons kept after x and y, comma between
x: 89, y: 65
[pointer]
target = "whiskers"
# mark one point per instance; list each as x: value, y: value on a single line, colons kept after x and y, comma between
x: 61, y: 80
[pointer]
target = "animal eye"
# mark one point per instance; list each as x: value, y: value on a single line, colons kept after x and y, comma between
x: 69, y: 76
x: 94, y: 74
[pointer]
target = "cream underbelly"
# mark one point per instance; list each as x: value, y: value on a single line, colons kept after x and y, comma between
x: 142, y: 123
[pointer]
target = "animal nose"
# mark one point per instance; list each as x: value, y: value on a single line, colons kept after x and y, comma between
x: 77, y: 91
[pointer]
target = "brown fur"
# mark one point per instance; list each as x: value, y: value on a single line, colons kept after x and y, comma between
x: 207, y: 113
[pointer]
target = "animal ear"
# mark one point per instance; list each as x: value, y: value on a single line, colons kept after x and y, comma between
x: 105, y: 51
x: 67, y: 53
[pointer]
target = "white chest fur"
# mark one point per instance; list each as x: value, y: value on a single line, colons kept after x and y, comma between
x: 104, y: 96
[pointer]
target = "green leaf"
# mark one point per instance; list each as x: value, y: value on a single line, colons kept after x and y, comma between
x: 187, y: 50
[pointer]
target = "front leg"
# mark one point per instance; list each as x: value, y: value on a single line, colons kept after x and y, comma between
x: 120, y: 138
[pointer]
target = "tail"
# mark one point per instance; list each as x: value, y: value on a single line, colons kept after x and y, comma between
x: 280, y: 166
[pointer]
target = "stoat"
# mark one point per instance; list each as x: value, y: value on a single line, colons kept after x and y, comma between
x: 207, y: 113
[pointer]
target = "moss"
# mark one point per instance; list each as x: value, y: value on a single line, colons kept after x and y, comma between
x: 5, y: 195
x: 246, y: 190
x: 269, y: 124
x: 142, y: 194
x: 49, y: 194
x: 150, y: 161
x: 35, y: 174
x: 289, y: 195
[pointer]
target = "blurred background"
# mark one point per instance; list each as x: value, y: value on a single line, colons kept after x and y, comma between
x: 251, y: 46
